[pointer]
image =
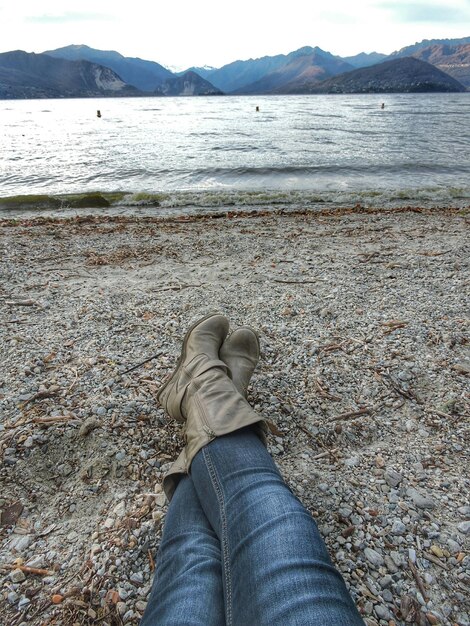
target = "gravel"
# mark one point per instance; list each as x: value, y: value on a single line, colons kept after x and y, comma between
x: 363, y: 324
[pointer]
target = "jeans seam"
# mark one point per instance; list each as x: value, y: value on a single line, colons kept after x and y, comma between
x: 224, y: 533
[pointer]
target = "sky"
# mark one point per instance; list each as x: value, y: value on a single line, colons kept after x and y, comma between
x: 184, y: 33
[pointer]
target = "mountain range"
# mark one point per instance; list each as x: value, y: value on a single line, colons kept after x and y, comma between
x: 81, y: 71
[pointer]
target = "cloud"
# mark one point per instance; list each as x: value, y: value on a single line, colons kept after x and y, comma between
x: 68, y: 17
x: 412, y: 12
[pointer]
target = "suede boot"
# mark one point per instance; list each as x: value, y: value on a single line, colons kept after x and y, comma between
x: 201, y: 391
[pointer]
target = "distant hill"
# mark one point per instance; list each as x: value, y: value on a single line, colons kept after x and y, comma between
x: 203, y: 72
x: 454, y: 60
x: 144, y: 75
x: 189, y: 84
x: 29, y: 75
x: 235, y: 75
x: 409, y: 51
x: 404, y: 75
x: 365, y: 59
x: 303, y: 67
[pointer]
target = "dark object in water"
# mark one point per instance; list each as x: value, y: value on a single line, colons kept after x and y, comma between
x: 98, y: 113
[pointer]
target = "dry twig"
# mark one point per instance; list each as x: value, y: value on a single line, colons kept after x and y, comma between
x: 351, y: 414
x: 417, y: 577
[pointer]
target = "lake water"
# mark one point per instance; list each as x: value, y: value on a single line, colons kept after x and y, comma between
x: 185, y: 154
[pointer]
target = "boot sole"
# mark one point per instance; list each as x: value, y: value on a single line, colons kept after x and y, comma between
x: 183, y: 356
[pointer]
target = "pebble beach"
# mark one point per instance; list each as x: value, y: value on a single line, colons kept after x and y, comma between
x: 365, y: 366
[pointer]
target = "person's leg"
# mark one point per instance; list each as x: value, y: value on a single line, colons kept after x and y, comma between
x: 187, y: 588
x: 276, y: 569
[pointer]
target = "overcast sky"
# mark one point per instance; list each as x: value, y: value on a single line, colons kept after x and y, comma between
x: 180, y: 33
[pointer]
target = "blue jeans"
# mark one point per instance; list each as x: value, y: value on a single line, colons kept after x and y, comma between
x: 239, y: 549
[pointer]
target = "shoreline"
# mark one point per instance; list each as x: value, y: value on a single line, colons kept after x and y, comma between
x: 363, y: 321
x: 213, y: 214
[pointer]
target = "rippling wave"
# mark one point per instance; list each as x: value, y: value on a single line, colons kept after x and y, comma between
x: 198, y: 201
x: 205, y: 153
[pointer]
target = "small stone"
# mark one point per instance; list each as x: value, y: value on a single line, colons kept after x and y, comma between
x: 391, y: 565
x: 464, y: 527
x: 386, y: 581
x: 454, y: 547
x: 121, y: 607
x: 398, y: 528
x: 120, y: 509
x: 397, y: 559
x: 17, y: 576
x: 36, y: 561
x: 410, y: 426
x: 387, y: 595
x: 12, y: 597
x: 137, y: 577
x: 392, y: 478
x: 23, y: 603
x: 379, y: 461
x: 20, y: 542
x: 420, y: 500
x: 382, y: 612
x: 160, y: 500
x: 373, y: 557
x: 109, y: 522
x: 123, y: 594
x: 140, y: 606
x: 437, y: 551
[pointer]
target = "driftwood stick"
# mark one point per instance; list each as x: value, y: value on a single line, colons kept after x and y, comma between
x: 22, y: 303
x: 324, y: 454
x: 40, y: 395
x: 31, y: 570
x: 417, y: 577
x: 434, y: 560
x: 134, y: 367
x: 295, y: 282
x: 53, y: 420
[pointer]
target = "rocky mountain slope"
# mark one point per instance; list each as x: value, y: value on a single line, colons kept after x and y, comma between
x: 144, y: 75
x: 406, y: 75
x: 454, y: 60
x: 409, y: 51
x: 365, y: 59
x: 189, y: 84
x: 313, y: 65
x: 29, y: 75
x: 238, y: 74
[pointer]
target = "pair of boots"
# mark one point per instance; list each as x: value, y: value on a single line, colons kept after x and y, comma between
x: 208, y: 388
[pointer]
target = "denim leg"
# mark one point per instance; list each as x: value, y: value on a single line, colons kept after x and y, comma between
x: 187, y: 588
x: 276, y: 569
